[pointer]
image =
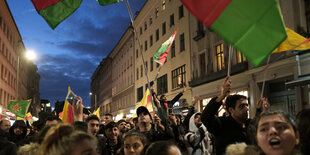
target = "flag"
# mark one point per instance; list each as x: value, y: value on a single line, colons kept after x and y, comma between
x: 294, y: 41
x: 19, y: 108
x: 108, y: 2
x: 146, y: 101
x: 255, y: 27
x: 97, y: 112
x: 55, y: 11
x: 67, y: 112
x: 29, y: 118
x: 162, y: 52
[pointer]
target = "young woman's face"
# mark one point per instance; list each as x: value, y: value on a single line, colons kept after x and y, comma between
x: 275, y: 135
x: 133, y: 146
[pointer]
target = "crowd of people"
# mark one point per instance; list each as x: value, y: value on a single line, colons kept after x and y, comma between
x: 162, y: 132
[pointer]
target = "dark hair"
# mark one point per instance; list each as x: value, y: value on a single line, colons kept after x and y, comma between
x: 302, y: 122
x: 81, y: 126
x: 52, y: 118
x: 92, y: 117
x: 41, y: 134
x: 198, y: 114
x: 120, y: 121
x: 108, y: 114
x: 135, y: 119
x: 231, y: 101
x: 159, y: 147
x: 110, y: 126
x: 287, y: 117
x: 141, y: 136
x: 162, y: 96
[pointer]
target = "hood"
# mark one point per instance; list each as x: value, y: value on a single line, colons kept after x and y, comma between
x: 191, y: 125
x: 19, y: 123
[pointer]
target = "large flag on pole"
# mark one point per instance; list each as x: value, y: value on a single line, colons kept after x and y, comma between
x: 255, y: 27
x: 146, y: 101
x: 67, y: 112
x: 294, y: 41
x: 108, y: 2
x: 55, y: 11
x: 19, y: 108
x: 162, y: 52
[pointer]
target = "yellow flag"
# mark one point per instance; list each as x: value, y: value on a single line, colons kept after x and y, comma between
x: 294, y: 41
x: 97, y: 112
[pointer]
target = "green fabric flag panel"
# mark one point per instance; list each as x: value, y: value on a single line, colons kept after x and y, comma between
x: 108, y: 2
x: 19, y: 108
x: 255, y: 27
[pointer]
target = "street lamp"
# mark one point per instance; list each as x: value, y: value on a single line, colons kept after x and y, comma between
x: 90, y: 93
x: 29, y: 55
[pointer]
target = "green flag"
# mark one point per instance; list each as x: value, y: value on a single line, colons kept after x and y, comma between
x: 19, y: 108
x: 108, y: 2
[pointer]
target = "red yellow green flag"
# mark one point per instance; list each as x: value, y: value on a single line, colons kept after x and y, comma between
x: 146, y: 101
x: 161, y: 54
x: 55, y: 11
x: 108, y: 2
x: 19, y: 108
x: 294, y: 41
x: 29, y: 118
x: 255, y: 27
x: 67, y: 112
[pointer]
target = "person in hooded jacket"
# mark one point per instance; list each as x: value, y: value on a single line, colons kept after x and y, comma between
x: 198, y: 140
x: 18, y: 133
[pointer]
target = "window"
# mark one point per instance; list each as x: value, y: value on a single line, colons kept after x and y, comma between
x: 145, y: 45
x: 202, y: 64
x: 151, y: 63
x: 140, y: 30
x: 137, y: 73
x: 164, y: 28
x: 141, y: 70
x: 156, y: 12
x: 151, y: 40
x: 157, y: 34
x: 146, y: 65
x: 157, y: 65
x: 137, y: 53
x: 162, y: 86
x: 220, y: 57
x: 145, y: 25
x: 178, y: 77
x: 172, y: 50
x: 163, y: 6
x: 182, y: 42
x: 239, y: 57
x: 181, y: 12
x: 171, y: 20
x: 151, y: 20
x: 139, y: 93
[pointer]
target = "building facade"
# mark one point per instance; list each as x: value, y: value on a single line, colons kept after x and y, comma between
x: 210, y: 61
x: 17, y: 74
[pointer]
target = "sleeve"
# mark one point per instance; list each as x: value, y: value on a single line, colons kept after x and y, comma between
x: 194, y: 139
x: 175, y: 99
x: 209, y: 118
x: 191, y: 112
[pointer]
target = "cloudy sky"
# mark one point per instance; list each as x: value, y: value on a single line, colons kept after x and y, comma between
x: 68, y: 55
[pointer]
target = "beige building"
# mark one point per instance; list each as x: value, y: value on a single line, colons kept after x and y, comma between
x: 210, y: 60
x: 19, y: 78
x: 155, y: 23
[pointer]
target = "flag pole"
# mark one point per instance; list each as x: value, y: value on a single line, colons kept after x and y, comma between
x: 230, y: 53
x: 157, y: 73
x: 264, y: 80
x: 144, y: 65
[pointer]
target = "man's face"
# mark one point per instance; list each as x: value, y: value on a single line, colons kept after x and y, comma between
x: 197, y: 120
x: 107, y: 119
x: 18, y: 130
x: 164, y: 98
x: 93, y: 127
x: 112, y: 133
x: 144, y: 118
x: 53, y: 122
x: 240, y: 112
x: 122, y: 127
x: 5, y: 126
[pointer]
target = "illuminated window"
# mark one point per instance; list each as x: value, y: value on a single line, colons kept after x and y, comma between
x: 156, y: 12
x: 240, y: 58
x: 220, y: 57
x: 178, y: 77
x: 163, y: 4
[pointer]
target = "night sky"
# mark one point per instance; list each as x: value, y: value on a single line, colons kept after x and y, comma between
x: 68, y: 55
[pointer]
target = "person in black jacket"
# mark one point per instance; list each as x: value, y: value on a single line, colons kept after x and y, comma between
x: 18, y: 133
x: 233, y: 128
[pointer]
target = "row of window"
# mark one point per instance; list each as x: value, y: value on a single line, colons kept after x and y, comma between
x: 7, y: 54
x: 8, y: 77
x: 6, y: 31
x: 5, y: 98
x: 178, y: 77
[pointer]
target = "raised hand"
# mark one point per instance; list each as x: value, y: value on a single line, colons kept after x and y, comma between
x: 78, y: 109
x: 225, y: 89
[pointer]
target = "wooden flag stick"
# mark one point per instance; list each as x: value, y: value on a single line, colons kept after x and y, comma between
x: 264, y: 80
x: 230, y: 53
